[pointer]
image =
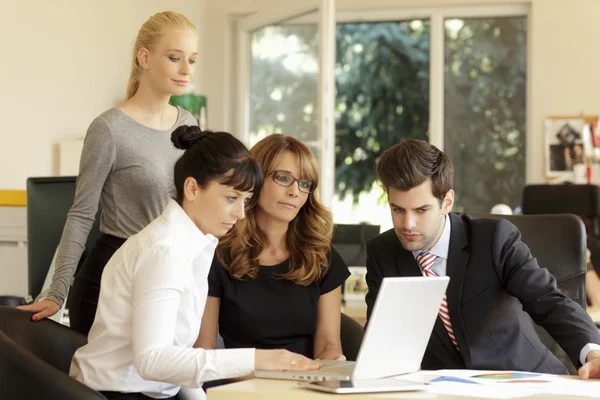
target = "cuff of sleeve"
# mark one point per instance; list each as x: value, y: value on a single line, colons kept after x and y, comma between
x: 235, y: 362
x: 586, y: 350
x: 54, y: 297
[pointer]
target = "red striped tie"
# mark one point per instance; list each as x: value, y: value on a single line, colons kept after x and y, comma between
x: 426, y: 261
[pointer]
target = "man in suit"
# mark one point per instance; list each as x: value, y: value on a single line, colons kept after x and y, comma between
x: 494, y: 280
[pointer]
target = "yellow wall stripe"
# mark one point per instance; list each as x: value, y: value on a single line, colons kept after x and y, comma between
x: 13, y: 198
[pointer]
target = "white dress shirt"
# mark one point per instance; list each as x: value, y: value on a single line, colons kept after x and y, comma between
x: 150, y: 307
x: 440, y: 250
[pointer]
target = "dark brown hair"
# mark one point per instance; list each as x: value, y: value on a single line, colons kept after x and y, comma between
x: 411, y: 162
x: 216, y: 156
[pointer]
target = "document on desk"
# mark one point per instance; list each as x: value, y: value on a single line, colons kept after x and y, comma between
x: 502, y: 384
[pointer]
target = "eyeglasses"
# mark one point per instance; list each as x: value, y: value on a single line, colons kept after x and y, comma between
x: 286, y: 179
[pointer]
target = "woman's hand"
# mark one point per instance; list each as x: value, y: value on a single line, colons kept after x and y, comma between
x: 283, y: 360
x: 44, y: 309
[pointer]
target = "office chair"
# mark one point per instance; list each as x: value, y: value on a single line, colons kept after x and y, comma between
x: 47, y: 340
x: 48, y: 202
x: 35, y: 358
x: 351, y: 242
x: 558, y: 243
x: 581, y: 200
x: 351, y: 336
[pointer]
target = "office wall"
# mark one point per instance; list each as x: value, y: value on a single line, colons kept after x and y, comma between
x: 66, y: 61
x: 63, y: 63
x: 564, y: 59
x: 564, y: 70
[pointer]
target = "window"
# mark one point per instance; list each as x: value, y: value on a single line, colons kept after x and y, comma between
x: 284, y: 82
x: 453, y: 76
x: 382, y: 97
x: 484, y: 114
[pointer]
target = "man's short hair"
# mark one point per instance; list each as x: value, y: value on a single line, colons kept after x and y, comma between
x: 411, y: 162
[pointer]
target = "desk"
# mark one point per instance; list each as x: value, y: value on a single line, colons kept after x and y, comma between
x: 269, y: 389
x: 594, y: 312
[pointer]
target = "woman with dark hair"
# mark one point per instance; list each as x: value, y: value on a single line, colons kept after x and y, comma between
x: 154, y: 288
x: 276, y: 280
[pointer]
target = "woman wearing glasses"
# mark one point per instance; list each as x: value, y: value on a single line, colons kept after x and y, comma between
x: 276, y: 281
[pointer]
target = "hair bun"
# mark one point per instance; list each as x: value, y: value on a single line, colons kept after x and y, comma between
x: 185, y: 136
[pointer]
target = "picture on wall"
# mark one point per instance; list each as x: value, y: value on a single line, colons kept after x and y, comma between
x: 564, y: 145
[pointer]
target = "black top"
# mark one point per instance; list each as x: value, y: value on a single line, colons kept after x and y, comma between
x: 270, y: 312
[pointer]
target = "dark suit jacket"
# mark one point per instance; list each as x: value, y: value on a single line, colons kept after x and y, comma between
x: 494, y: 283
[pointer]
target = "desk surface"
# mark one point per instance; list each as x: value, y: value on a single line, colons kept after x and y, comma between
x: 594, y: 312
x: 269, y: 389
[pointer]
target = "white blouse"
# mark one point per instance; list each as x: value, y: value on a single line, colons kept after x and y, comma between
x: 152, y: 297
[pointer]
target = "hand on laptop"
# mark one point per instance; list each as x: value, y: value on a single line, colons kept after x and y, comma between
x: 283, y: 360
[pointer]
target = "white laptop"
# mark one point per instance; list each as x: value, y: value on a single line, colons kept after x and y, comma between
x: 396, y: 338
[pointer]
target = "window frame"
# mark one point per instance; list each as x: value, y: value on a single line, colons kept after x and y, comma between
x: 302, y: 12
x: 325, y: 9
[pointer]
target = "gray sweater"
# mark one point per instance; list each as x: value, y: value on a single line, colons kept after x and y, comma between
x: 125, y: 167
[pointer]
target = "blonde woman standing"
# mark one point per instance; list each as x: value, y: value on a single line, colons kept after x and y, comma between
x: 126, y: 164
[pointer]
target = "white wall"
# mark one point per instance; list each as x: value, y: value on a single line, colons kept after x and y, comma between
x: 563, y: 63
x: 564, y: 73
x: 219, y: 69
x: 63, y: 63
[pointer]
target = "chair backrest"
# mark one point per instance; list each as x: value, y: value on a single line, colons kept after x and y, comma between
x: 351, y: 336
x: 48, y: 202
x: 47, y: 340
x: 24, y: 376
x: 581, y: 200
x: 351, y: 242
x: 558, y: 243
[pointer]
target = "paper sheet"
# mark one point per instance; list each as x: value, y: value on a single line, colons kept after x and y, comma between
x: 503, y: 384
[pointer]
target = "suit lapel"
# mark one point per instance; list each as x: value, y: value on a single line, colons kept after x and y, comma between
x: 456, y: 268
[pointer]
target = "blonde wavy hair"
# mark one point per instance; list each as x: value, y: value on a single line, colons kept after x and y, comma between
x: 152, y: 30
x: 308, y: 237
